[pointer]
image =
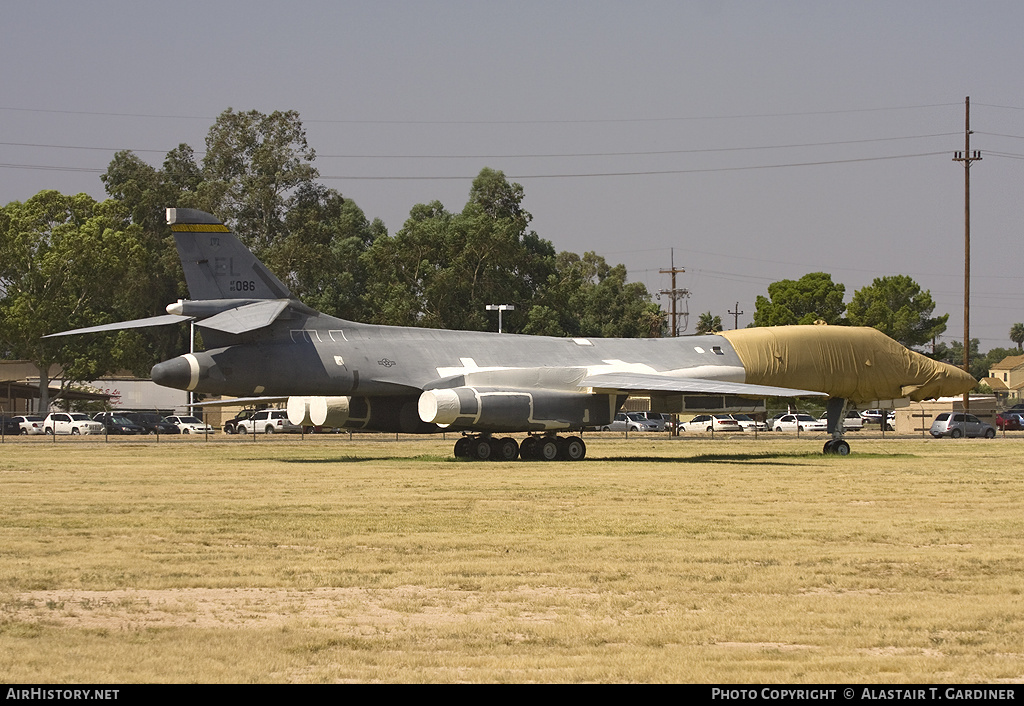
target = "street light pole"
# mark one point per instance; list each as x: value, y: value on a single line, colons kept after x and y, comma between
x: 500, y: 308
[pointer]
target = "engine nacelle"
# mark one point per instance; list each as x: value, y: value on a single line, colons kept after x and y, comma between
x: 507, y: 410
x: 397, y: 414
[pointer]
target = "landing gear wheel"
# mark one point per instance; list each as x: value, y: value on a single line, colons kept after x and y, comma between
x: 480, y: 449
x: 547, y: 450
x: 836, y: 447
x: 462, y: 447
x: 575, y: 449
x: 506, y: 449
x: 528, y: 449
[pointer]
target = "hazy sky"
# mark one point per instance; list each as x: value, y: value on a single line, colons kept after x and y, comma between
x: 760, y: 140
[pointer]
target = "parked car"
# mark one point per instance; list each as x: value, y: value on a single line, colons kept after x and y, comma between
x: 630, y: 421
x: 957, y: 424
x: 875, y: 416
x: 29, y: 425
x: 661, y: 420
x: 748, y: 423
x: 712, y: 422
x: 851, y: 422
x: 71, y: 423
x: 9, y: 426
x: 1010, y: 421
x: 151, y: 422
x: 115, y: 423
x: 268, y: 421
x: 190, y: 425
x: 799, y: 422
x: 231, y: 425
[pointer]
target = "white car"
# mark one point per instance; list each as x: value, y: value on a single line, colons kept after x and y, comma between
x: 748, y: 423
x: 190, y: 425
x: 268, y: 421
x: 71, y: 423
x: 799, y: 422
x: 30, y: 424
x: 712, y: 422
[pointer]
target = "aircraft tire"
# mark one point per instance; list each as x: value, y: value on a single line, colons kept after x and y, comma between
x: 462, y: 447
x: 547, y: 450
x: 507, y: 449
x: 836, y: 447
x: 575, y: 449
x: 528, y: 449
x: 481, y: 449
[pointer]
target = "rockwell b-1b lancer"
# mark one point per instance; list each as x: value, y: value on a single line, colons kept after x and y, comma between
x: 261, y: 341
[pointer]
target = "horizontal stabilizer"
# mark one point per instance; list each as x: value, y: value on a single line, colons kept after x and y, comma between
x: 162, y: 320
x: 246, y: 318
x: 645, y: 382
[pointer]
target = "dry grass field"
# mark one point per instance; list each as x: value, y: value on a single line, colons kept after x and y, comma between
x: 327, y: 559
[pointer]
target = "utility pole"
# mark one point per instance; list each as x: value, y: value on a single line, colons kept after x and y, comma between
x: 736, y: 316
x: 675, y: 294
x: 967, y: 157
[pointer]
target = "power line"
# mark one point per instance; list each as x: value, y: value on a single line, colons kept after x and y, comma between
x: 579, y: 175
x: 662, y: 172
x: 644, y: 153
x: 344, y: 121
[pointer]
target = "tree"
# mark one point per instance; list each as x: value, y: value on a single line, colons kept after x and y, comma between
x: 897, y: 307
x: 257, y: 176
x: 1017, y: 335
x: 586, y: 296
x: 708, y: 323
x: 441, y: 269
x: 320, y: 257
x: 68, y: 262
x: 814, y: 297
x: 255, y: 165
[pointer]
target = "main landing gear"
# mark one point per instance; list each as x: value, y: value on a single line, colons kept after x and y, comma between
x: 836, y: 410
x: 484, y: 447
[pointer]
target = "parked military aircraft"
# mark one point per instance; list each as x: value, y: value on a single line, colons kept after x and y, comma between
x: 261, y: 341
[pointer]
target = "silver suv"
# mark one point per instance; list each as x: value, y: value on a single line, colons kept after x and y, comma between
x: 957, y: 424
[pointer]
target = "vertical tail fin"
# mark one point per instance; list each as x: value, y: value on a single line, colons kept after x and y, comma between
x: 217, y: 265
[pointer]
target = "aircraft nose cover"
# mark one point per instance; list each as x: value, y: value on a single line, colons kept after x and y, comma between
x: 860, y: 364
x: 181, y: 373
